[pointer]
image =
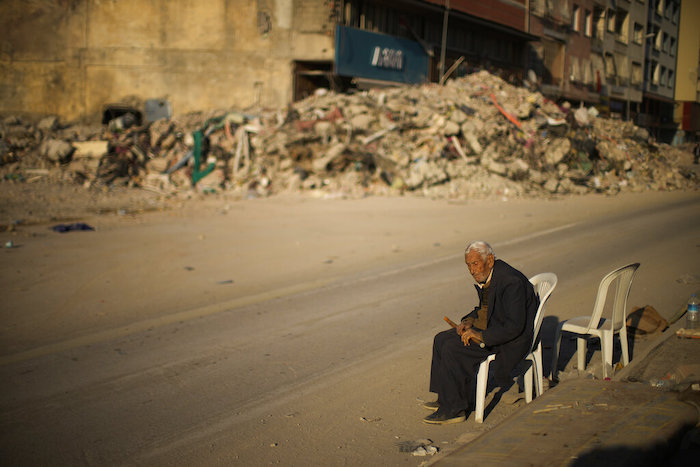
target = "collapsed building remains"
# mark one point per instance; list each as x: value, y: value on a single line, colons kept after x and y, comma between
x: 474, y: 137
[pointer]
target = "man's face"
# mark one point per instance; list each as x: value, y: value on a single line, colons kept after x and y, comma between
x: 478, y: 268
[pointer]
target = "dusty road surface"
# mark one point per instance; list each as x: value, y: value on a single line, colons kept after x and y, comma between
x: 289, y: 330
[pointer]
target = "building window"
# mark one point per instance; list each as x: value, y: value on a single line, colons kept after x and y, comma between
x: 676, y: 9
x: 621, y: 66
x: 588, y: 23
x: 609, y: 66
x: 660, y: 7
x: 548, y: 6
x: 638, y: 33
x: 611, y: 20
x: 636, y: 73
x: 665, y: 43
x: 656, y: 71
x: 622, y: 25
x: 575, y: 18
x: 672, y: 47
x: 662, y: 80
x: 670, y: 78
x: 647, y: 71
x: 599, y: 17
x: 657, y: 38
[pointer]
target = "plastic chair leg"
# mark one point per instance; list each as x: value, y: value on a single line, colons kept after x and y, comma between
x: 481, y: 380
x: 581, y: 352
x: 539, y: 389
x: 555, y: 352
x: 623, y: 344
x: 528, y: 382
x: 606, y: 344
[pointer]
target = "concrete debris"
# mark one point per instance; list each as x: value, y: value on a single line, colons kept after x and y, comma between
x: 474, y: 137
x: 423, y: 451
x: 56, y: 150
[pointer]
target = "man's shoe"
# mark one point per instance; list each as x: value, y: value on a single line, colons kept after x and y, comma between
x: 441, y: 418
x: 432, y: 405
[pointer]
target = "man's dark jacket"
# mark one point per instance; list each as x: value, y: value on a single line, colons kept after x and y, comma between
x: 512, y: 305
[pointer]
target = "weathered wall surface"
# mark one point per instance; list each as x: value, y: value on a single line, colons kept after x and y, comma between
x: 687, y: 81
x: 70, y: 57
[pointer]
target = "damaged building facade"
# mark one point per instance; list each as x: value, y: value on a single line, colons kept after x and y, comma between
x: 74, y: 58
x: 617, y: 55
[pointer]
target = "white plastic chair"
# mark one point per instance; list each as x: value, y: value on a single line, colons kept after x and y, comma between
x: 596, y: 325
x: 544, y: 284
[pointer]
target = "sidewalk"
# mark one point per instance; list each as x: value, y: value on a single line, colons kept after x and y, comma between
x: 623, y: 422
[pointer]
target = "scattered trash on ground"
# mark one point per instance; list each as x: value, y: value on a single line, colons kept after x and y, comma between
x: 688, y: 333
x: 680, y: 378
x: 421, y: 447
x: 425, y: 451
x: 62, y: 228
x: 373, y: 419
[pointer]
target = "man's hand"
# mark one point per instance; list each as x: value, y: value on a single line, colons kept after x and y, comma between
x: 464, y: 325
x: 471, y: 334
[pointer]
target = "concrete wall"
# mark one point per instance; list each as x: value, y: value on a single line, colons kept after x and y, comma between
x: 70, y: 57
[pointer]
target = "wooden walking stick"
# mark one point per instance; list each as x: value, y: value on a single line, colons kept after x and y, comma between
x: 454, y: 325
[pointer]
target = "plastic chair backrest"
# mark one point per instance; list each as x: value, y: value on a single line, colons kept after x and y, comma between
x: 544, y: 284
x: 624, y: 276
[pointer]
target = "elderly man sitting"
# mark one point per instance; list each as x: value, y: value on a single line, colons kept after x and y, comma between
x: 503, y: 322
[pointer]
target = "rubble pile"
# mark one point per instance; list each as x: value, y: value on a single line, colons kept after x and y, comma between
x: 474, y: 137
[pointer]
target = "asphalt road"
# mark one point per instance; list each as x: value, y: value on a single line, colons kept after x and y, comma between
x: 206, y: 388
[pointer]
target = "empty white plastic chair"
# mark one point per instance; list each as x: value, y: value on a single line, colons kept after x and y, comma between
x: 544, y: 284
x: 596, y: 325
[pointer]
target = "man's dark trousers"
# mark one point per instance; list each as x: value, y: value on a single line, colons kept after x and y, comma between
x: 453, y: 370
